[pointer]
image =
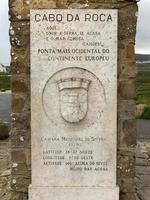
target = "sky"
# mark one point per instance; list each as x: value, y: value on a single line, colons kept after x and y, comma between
x: 142, y: 36
x: 143, y: 28
x: 4, y: 36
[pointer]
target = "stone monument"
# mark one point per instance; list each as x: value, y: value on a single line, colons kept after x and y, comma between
x: 74, y: 104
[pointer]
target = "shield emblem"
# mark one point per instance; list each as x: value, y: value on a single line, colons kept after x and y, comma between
x: 73, y: 98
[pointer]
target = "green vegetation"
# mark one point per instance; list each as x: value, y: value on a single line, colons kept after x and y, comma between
x: 145, y: 114
x: 143, y: 88
x: 143, y: 67
x: 4, y: 73
x: 4, y: 81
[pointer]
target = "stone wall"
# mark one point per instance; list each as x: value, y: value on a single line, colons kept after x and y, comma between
x: 20, y: 64
x: 5, y: 170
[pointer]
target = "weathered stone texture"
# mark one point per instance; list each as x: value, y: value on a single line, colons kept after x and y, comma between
x: 126, y: 104
x: 5, y: 171
x: 19, y: 10
x: 143, y: 170
x: 129, y: 129
x: 127, y: 89
x: 20, y: 64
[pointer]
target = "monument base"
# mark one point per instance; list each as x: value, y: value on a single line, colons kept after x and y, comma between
x: 73, y: 193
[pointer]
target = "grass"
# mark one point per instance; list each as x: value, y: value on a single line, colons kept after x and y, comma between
x: 143, y: 88
x: 4, y: 73
x: 4, y: 81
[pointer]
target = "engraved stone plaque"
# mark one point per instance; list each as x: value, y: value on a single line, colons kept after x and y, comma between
x: 74, y: 104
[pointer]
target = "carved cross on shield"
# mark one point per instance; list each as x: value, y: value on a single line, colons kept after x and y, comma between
x: 73, y: 98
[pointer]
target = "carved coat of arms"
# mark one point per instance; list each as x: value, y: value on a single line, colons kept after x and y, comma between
x: 73, y: 98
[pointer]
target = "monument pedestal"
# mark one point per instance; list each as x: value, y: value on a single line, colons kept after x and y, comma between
x: 73, y: 193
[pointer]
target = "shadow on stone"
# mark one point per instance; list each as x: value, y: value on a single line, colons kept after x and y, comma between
x: 4, y: 130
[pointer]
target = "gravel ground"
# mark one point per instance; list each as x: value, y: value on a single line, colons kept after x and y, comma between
x: 143, y: 129
x: 143, y: 170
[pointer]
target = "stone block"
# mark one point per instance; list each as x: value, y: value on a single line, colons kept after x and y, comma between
x: 21, y: 121
x: 127, y: 196
x: 20, y: 84
x: 48, y: 4
x: 19, y: 196
x: 20, y: 183
x: 127, y: 70
x: 18, y: 156
x: 18, y: 104
x: 127, y: 22
x: 131, y: 52
x: 122, y: 51
x: 126, y: 109
x: 127, y: 185
x: 61, y: 4
x: 127, y: 89
x: 20, y: 169
x: 129, y: 132
x: 20, y: 62
x: 19, y: 10
x: 74, y: 193
x: 19, y: 34
x: 20, y: 139
x: 103, y: 1
x: 126, y: 168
